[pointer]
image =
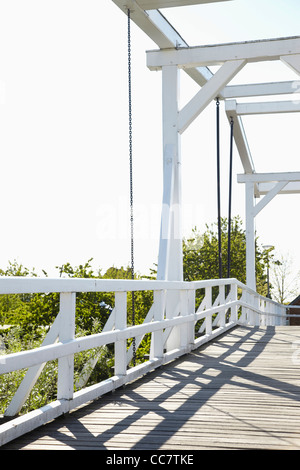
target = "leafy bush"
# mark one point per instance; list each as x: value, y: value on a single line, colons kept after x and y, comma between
x: 30, y: 316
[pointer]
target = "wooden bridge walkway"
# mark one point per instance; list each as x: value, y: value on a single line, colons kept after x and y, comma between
x: 241, y: 391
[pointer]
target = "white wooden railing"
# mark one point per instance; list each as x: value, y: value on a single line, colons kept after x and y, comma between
x: 171, y: 321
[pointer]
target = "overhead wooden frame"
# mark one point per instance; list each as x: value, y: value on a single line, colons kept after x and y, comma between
x: 174, y: 54
x: 156, y: 4
x: 267, y: 182
x: 159, y: 29
x: 218, y: 54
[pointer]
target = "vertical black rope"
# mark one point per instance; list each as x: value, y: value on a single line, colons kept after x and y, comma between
x: 218, y: 188
x: 229, y: 200
x: 131, y: 179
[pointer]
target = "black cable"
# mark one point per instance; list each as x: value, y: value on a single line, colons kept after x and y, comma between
x: 218, y: 189
x: 229, y: 200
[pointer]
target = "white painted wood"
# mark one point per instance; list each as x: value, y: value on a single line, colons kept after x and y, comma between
x: 292, y: 61
x: 269, y: 177
x: 277, y: 181
x: 148, y: 4
x: 65, y: 382
x: 155, y: 25
x: 290, y: 188
x: 208, y: 318
x: 25, y: 285
x: 255, y: 392
x: 191, y: 299
x: 207, y: 93
x: 234, y: 297
x: 156, y: 350
x: 239, y: 136
x: 261, y: 89
x: 262, y: 309
x: 288, y: 183
x: 253, y: 51
x: 173, y: 39
x: 121, y: 324
x: 185, y: 323
x: 257, y: 316
x: 222, y: 311
x: 272, y: 107
x: 268, y: 197
x: 19, y: 285
x: 250, y: 236
x: 26, y: 423
x: 170, y: 248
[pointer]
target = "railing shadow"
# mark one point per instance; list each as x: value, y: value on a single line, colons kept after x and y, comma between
x: 173, y: 406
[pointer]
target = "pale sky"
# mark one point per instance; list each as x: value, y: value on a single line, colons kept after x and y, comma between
x: 64, y: 132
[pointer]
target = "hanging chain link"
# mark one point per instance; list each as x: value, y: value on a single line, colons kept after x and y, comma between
x: 131, y: 178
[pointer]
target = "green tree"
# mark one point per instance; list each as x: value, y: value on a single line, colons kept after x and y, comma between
x: 30, y: 316
x: 200, y: 255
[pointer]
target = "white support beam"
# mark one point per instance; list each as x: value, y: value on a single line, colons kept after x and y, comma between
x: 261, y: 89
x: 254, y: 51
x: 207, y: 93
x: 120, y: 324
x: 65, y: 373
x: 290, y: 188
x: 277, y: 183
x: 164, y: 35
x: 272, y: 107
x: 269, y: 196
x: 250, y: 237
x: 269, y: 177
x: 157, y: 22
x: 170, y: 248
x: 240, y: 137
x: 150, y: 4
x: 158, y: 28
x: 292, y: 61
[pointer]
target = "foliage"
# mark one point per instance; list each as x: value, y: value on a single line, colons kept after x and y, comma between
x: 29, y: 316
x: 200, y: 255
x: 45, y: 389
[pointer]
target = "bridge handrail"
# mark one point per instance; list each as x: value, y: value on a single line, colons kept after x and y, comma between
x: 27, y: 285
x: 172, y: 326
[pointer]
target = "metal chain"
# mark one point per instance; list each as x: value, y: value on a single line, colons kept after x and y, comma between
x: 131, y: 179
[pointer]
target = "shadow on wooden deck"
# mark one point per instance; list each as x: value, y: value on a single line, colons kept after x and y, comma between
x: 240, y: 391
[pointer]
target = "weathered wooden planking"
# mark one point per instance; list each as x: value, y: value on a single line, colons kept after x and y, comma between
x: 239, y: 392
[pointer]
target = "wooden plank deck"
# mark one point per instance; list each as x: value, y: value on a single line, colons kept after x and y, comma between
x: 240, y: 392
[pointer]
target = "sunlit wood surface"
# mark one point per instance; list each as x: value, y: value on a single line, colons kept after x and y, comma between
x: 241, y: 391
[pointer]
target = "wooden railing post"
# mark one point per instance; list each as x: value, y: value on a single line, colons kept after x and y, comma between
x: 222, y: 302
x: 208, y: 319
x: 120, y: 324
x: 234, y: 297
x: 184, y: 308
x: 191, y: 309
x: 157, y: 344
x: 65, y: 385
